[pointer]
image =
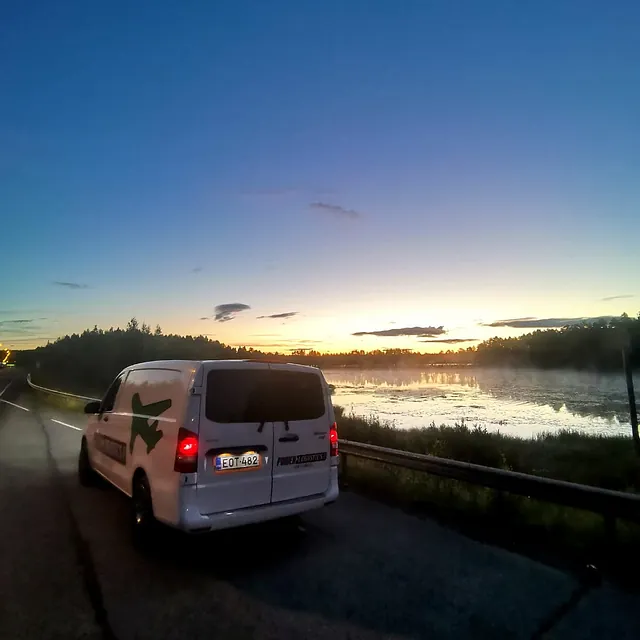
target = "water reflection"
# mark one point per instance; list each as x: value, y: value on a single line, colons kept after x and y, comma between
x: 522, y: 402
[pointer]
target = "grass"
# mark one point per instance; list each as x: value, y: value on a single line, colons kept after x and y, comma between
x: 62, y: 402
x: 550, y: 532
x: 602, y: 461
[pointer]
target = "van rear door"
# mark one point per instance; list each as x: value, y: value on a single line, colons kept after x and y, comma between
x: 301, y: 433
x: 236, y: 445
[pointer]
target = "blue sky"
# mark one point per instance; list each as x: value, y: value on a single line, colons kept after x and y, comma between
x: 369, y: 165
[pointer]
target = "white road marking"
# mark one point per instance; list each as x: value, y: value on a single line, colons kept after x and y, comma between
x: 14, y: 405
x: 64, y: 424
x: 1, y: 392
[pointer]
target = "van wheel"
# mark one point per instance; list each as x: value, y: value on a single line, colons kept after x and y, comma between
x: 143, y: 523
x: 86, y: 475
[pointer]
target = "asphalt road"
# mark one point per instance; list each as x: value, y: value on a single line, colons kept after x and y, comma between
x: 354, y: 570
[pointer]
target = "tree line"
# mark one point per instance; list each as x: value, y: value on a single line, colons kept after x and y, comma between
x: 591, y: 345
x: 89, y: 361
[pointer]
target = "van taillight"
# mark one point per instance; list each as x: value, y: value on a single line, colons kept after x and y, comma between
x: 186, y: 452
x: 333, y: 439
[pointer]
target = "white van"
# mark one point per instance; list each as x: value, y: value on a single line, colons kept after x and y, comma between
x: 213, y: 444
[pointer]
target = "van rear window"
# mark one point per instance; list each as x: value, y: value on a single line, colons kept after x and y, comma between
x: 261, y: 395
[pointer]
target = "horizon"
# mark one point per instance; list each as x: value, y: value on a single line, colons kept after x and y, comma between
x: 453, y: 348
x: 416, y: 177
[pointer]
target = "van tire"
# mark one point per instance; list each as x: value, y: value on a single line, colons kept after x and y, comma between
x: 86, y: 474
x: 144, y: 526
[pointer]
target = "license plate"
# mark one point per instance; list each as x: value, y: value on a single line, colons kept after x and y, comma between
x: 227, y: 462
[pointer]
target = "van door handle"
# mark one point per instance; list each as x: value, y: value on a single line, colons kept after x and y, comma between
x: 290, y: 437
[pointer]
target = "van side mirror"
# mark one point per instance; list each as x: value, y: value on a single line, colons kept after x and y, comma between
x: 92, y: 407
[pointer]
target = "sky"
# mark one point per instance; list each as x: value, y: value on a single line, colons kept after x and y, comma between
x: 407, y: 171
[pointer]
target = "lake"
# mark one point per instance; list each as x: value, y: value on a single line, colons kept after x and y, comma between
x: 517, y: 402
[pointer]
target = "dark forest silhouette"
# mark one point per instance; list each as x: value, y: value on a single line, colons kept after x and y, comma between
x: 89, y: 361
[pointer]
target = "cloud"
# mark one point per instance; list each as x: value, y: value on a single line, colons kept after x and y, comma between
x: 622, y: 297
x: 277, y: 345
x: 336, y: 210
x: 226, y: 312
x: 196, y: 270
x: 10, y: 341
x: 20, y: 326
x: 71, y: 285
x: 451, y: 340
x: 544, y: 323
x: 5, y: 323
x: 282, y: 341
x: 283, y: 344
x: 205, y: 318
x: 507, y: 323
x: 287, y: 314
x: 20, y: 312
x: 420, y: 332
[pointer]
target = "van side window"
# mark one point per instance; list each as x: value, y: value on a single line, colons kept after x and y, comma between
x: 109, y: 399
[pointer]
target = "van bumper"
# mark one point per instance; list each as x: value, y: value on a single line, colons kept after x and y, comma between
x: 191, y: 520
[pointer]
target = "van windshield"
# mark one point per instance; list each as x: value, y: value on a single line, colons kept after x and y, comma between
x: 260, y: 395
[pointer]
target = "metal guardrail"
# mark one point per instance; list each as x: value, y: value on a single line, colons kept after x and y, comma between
x: 59, y: 393
x: 611, y: 504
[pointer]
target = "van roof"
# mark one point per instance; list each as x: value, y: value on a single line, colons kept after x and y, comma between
x: 187, y: 365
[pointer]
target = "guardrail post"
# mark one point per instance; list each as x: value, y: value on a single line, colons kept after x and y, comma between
x: 633, y: 411
x: 609, y: 529
x: 343, y: 479
x: 498, y: 503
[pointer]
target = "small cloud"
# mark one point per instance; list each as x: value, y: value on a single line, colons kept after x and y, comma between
x: 205, y: 318
x: 261, y: 345
x: 508, y: 323
x: 285, y: 343
x: 5, y: 323
x: 420, y: 332
x: 226, y: 312
x: 71, y: 285
x: 20, y: 326
x: 11, y: 341
x: 451, y: 340
x: 336, y: 210
x: 287, y: 314
x: 622, y: 297
x: 20, y: 312
x: 544, y: 323
x: 196, y: 270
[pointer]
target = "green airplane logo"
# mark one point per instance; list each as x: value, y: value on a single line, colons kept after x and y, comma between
x: 140, y: 423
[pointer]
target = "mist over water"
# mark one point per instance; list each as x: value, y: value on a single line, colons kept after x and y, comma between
x: 517, y: 402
